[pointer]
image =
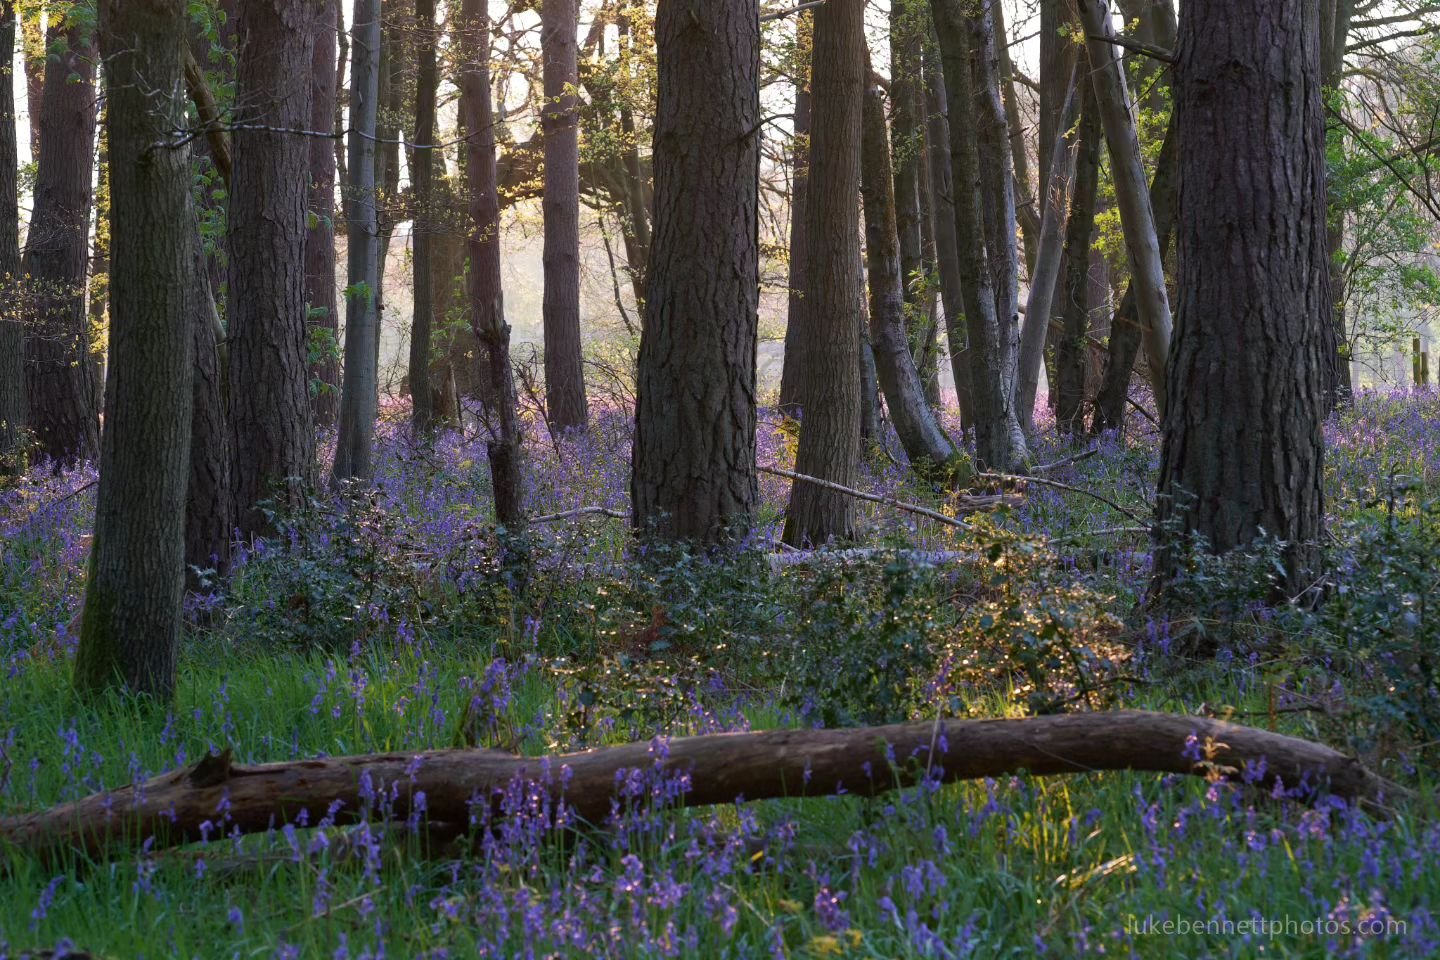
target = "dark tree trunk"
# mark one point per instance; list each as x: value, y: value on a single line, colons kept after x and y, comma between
x: 907, y: 31
x: 1027, y: 208
x: 1126, y: 333
x: 268, y: 373
x: 210, y: 500
x: 1243, y: 451
x: 926, y: 445
x: 693, y: 474
x: 1336, y: 17
x: 830, y: 432
x: 871, y: 417
x: 427, y: 79
x: 487, y: 306
x: 12, y: 338
x: 60, y: 378
x: 324, y: 310
x: 792, y: 377
x: 130, y: 629
x: 1072, y: 358
x: 395, y: 53
x: 564, y: 360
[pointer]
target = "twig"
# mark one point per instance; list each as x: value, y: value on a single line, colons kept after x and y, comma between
x: 1015, y: 478
x: 966, y: 505
x: 1067, y: 461
x: 782, y: 14
x: 582, y: 512
x: 1101, y: 532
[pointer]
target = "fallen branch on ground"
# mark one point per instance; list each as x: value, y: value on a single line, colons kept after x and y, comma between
x: 1017, y: 478
x: 582, y: 512
x: 216, y: 797
x: 921, y: 558
x: 964, y: 505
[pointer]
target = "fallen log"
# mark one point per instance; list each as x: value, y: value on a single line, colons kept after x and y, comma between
x: 216, y: 798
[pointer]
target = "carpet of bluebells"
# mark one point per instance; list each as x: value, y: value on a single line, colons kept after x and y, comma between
x: 394, y: 621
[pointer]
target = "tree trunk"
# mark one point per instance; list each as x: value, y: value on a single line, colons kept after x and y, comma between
x: 1243, y: 451
x: 465, y: 787
x: 1336, y: 17
x: 33, y: 51
x: 872, y: 425
x: 60, y: 378
x: 324, y: 310
x: 996, y: 426
x: 907, y: 31
x: 210, y: 499
x: 273, y: 427
x: 395, y: 51
x: 13, y: 414
x: 1147, y: 269
x: 130, y: 629
x: 830, y: 432
x: 359, y: 394
x: 926, y: 445
x: 947, y: 241
x: 1072, y: 357
x: 487, y: 306
x: 427, y: 79
x: 1027, y: 208
x: 564, y: 361
x: 792, y: 378
x: 693, y: 475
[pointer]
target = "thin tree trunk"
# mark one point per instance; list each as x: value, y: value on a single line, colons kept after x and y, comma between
x: 487, y: 307
x: 926, y: 445
x: 830, y: 432
x: 13, y: 415
x: 1071, y: 359
x: 1127, y: 170
x: 1243, y: 451
x: 564, y: 359
x: 1336, y: 17
x: 423, y: 175
x: 693, y: 475
x: 792, y: 377
x: 324, y: 309
x: 1027, y: 208
x: 130, y: 629
x: 60, y: 378
x: 269, y: 384
x: 359, y: 395
x: 871, y: 418
x: 210, y: 501
x: 33, y: 52
x: 907, y: 23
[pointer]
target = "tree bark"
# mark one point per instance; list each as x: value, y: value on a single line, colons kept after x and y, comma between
x: 210, y: 498
x: 13, y: 413
x: 273, y: 427
x: 487, y: 306
x: 427, y: 79
x: 907, y: 115
x: 324, y: 309
x: 1336, y: 17
x: 130, y: 629
x: 1243, y: 451
x: 693, y: 475
x: 1147, y: 269
x: 180, y: 806
x: 926, y: 445
x: 359, y: 393
x: 1027, y: 207
x: 564, y: 360
x: 60, y: 378
x: 830, y: 431
x: 792, y: 378
x: 1072, y: 357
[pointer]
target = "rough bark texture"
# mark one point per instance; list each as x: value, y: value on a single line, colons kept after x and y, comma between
x: 59, y: 376
x: 1335, y: 19
x: 995, y: 423
x: 487, y: 306
x: 468, y: 788
x: 925, y: 443
x: 907, y: 115
x: 1027, y: 208
x: 564, y: 361
x: 427, y: 78
x: 130, y: 629
x: 359, y: 392
x: 1242, y: 448
x: 324, y: 309
x: 693, y: 475
x: 12, y: 338
x: 1071, y: 359
x: 1142, y: 246
x: 209, y: 499
x: 268, y: 375
x: 792, y: 379
x: 830, y: 431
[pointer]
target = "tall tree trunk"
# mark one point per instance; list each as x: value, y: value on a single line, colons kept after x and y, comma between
x: 395, y: 51
x: 907, y: 33
x: 324, y: 309
x: 33, y: 52
x: 130, y: 629
x: 13, y: 414
x: 1027, y: 208
x: 210, y: 501
x: 947, y: 241
x: 359, y: 394
x: 926, y: 445
x: 693, y: 475
x: 487, y: 308
x: 60, y: 378
x: 1243, y: 450
x: 1072, y: 357
x: 564, y: 360
x: 1336, y: 17
x: 427, y: 79
x: 830, y: 433
x: 996, y: 426
x: 273, y: 426
x: 792, y: 377
x: 1147, y: 269
x: 871, y: 417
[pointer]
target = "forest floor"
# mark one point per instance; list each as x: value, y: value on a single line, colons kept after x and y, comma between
x: 391, y: 626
